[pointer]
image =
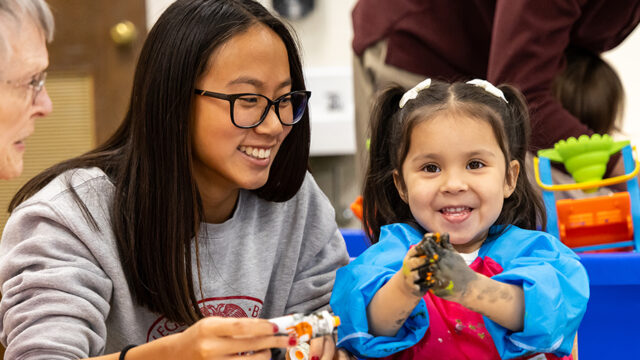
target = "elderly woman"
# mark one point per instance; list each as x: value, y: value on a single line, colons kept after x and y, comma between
x: 25, y: 26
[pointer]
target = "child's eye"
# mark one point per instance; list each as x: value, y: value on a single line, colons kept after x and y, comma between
x: 431, y: 168
x: 475, y: 164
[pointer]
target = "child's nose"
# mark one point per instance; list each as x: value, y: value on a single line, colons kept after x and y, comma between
x: 453, y: 183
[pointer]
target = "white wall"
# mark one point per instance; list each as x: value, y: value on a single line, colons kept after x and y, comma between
x: 626, y: 59
x: 154, y: 9
x: 325, y: 35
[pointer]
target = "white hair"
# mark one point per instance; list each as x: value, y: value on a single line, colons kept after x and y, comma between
x: 36, y: 10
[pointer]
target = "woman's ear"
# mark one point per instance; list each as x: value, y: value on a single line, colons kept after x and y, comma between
x: 512, y: 178
x: 397, y: 180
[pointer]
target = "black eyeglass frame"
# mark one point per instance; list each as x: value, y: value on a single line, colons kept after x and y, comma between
x: 231, y: 98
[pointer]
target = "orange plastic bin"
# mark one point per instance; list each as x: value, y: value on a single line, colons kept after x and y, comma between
x: 595, y: 221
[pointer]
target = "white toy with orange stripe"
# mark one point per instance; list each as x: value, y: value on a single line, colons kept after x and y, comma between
x: 305, y: 328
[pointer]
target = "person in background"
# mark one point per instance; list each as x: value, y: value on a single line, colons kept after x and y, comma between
x: 589, y: 89
x: 449, y: 159
x: 522, y: 43
x: 195, y: 222
x: 25, y: 28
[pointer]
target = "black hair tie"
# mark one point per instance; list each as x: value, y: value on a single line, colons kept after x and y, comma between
x: 124, y: 350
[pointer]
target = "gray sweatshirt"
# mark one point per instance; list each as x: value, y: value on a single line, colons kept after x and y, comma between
x: 64, y: 294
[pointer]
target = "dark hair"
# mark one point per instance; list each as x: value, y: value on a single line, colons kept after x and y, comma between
x: 390, y: 142
x: 157, y: 208
x: 590, y: 89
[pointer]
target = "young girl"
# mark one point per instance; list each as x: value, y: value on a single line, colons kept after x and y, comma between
x: 449, y: 158
x: 196, y: 219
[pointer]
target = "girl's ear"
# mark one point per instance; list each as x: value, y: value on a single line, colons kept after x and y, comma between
x: 397, y: 180
x: 512, y: 178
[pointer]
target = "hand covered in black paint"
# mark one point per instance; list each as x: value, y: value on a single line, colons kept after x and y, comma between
x: 443, y: 272
x: 410, y: 265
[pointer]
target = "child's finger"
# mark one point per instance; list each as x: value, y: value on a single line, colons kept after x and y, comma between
x: 423, y: 271
x: 445, y: 242
x: 442, y: 248
x: 410, y: 263
x: 412, y: 251
x: 427, y: 238
x: 426, y: 274
x: 433, y: 252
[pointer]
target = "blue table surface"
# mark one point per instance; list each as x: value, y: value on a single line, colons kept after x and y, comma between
x: 621, y: 268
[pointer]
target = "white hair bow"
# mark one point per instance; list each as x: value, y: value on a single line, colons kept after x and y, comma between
x: 413, y: 92
x: 489, y: 87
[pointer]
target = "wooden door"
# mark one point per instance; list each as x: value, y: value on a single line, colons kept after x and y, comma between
x: 89, y: 82
x: 84, y: 45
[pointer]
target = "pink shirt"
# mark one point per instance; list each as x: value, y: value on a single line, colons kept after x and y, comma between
x: 455, y: 331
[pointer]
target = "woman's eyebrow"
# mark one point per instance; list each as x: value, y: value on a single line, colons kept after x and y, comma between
x: 256, y: 83
x: 284, y: 84
x: 246, y: 80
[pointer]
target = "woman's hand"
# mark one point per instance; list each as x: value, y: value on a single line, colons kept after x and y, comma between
x: 228, y: 338
x: 321, y: 348
x: 343, y: 354
x: 324, y: 348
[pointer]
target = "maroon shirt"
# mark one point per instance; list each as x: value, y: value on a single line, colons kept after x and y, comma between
x: 520, y: 42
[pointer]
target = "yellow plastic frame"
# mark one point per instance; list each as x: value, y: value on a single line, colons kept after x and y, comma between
x: 586, y: 184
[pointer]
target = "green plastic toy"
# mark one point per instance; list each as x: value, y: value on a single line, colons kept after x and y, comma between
x: 584, y: 158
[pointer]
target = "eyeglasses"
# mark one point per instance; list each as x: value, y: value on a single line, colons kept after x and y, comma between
x: 36, y: 84
x: 249, y: 110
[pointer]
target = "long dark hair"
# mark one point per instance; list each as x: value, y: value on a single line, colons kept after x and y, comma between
x: 590, y: 89
x: 391, y: 128
x: 157, y: 209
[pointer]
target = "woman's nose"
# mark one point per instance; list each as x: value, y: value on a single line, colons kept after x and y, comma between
x: 271, y: 124
x: 42, y: 103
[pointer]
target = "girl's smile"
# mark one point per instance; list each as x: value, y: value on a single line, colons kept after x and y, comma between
x: 456, y: 214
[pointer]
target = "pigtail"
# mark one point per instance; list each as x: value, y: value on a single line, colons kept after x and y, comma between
x: 381, y: 203
x: 524, y: 208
